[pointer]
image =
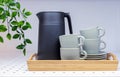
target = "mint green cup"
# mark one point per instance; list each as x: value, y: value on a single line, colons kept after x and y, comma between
x: 93, y: 46
x: 93, y: 33
x: 71, y: 41
x: 72, y: 54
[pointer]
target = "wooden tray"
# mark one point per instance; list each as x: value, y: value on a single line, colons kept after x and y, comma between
x: 73, y: 65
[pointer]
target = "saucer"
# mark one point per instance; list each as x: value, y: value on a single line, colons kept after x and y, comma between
x: 100, y: 53
x: 95, y: 58
x: 102, y: 56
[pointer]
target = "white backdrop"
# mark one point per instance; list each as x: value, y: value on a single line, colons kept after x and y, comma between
x: 84, y: 14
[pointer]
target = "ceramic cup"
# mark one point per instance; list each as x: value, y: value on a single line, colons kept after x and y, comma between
x: 93, y: 33
x: 71, y: 41
x: 72, y: 54
x: 93, y: 46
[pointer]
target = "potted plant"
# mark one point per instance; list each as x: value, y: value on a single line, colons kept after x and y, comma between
x: 13, y: 18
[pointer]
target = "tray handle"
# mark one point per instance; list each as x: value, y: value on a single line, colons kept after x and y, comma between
x: 111, y: 55
x: 32, y: 56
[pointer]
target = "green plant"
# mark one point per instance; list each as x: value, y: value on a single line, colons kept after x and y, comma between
x: 13, y: 18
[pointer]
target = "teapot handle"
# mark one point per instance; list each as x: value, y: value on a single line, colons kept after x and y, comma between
x: 69, y: 22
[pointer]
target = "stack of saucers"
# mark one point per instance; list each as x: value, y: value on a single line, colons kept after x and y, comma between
x: 100, y: 56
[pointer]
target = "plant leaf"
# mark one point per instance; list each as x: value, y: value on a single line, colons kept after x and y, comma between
x: 17, y: 31
x: 25, y: 27
x: 24, y: 52
x: 21, y: 46
x: 15, y: 36
x: 24, y: 42
x: 14, y: 23
x: 25, y: 16
x: 18, y: 14
x: 13, y: 8
x: 4, y: 20
x: 28, y: 24
x: 14, y: 28
x: 20, y: 38
x: 28, y: 41
x: 1, y: 10
x: 9, y: 36
x: 10, y: 1
x: 3, y: 28
x: 1, y: 4
x: 28, y: 13
x: 7, y: 13
x: 23, y: 36
x: 3, y: 16
x: 11, y: 19
x: 23, y: 10
x: 11, y: 4
x: 14, y: 14
x: 1, y: 39
x: 21, y: 23
x: 18, y: 5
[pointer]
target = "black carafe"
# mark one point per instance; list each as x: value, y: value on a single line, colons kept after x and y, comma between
x: 51, y: 26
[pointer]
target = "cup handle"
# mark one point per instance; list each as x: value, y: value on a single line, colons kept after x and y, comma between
x: 81, y: 40
x: 103, y: 44
x: 101, y: 30
x: 85, y: 55
x: 81, y: 43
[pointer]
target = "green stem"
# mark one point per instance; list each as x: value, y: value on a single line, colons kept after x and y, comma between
x: 8, y: 25
x: 22, y: 15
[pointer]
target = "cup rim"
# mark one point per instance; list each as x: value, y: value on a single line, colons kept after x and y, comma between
x: 85, y: 29
x: 95, y: 39
x: 70, y: 35
x: 69, y: 48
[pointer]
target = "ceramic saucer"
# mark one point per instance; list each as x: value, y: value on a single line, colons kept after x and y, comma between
x: 100, y: 53
x: 95, y: 58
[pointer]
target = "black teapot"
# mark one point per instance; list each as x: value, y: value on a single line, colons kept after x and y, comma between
x: 51, y: 26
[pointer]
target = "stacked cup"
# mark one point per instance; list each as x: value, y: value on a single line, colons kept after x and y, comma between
x: 71, y: 47
x: 93, y: 44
